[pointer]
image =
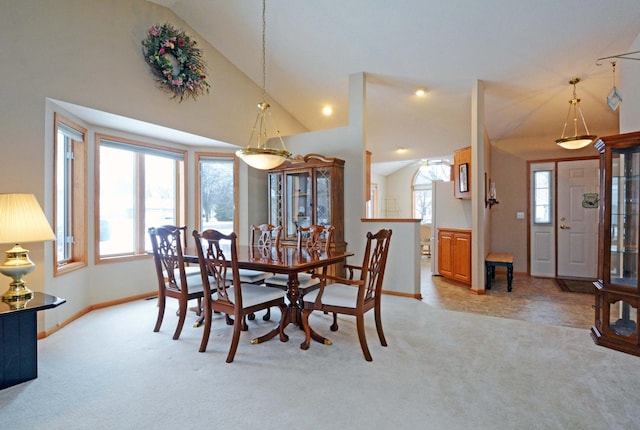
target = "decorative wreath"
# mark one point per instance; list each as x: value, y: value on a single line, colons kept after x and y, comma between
x: 176, y: 63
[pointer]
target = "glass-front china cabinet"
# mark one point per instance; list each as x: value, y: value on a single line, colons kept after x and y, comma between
x: 308, y: 190
x: 617, y: 289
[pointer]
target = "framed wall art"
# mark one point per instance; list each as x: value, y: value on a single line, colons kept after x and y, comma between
x: 464, y: 179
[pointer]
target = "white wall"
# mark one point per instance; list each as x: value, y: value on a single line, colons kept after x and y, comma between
x: 348, y: 143
x: 398, y: 191
x: 402, y: 273
x: 630, y: 88
x: 90, y: 54
x: 381, y: 183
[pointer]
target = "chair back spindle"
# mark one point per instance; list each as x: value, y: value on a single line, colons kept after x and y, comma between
x: 265, y: 236
x: 316, y: 238
x: 169, y: 259
x: 218, y: 273
x: 377, y: 246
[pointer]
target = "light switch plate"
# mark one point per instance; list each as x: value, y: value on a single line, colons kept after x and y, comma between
x: 519, y: 215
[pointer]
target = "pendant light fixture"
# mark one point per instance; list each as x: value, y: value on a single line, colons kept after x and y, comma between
x: 576, y: 141
x: 257, y: 154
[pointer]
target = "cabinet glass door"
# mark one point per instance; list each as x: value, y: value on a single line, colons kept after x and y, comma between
x: 625, y: 213
x: 298, y: 186
x: 623, y: 319
x: 323, y: 197
x: 275, y: 198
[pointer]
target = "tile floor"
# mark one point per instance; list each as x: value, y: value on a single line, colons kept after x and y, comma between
x: 537, y: 300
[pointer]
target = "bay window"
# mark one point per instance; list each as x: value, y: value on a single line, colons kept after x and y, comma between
x: 138, y: 186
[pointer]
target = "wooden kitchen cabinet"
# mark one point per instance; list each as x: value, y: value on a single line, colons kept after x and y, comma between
x: 454, y: 254
x: 462, y: 173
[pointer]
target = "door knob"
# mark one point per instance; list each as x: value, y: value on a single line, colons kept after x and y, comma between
x: 564, y: 227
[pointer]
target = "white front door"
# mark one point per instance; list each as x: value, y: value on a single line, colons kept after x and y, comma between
x: 577, y: 218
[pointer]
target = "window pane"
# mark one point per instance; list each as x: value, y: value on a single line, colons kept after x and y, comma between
x: 422, y: 205
x: 298, y: 188
x: 422, y: 183
x: 160, y: 193
x: 216, y: 194
x: 117, y: 201
x: 542, y: 179
x: 542, y: 197
x: 64, y: 182
x: 275, y: 198
x: 323, y: 197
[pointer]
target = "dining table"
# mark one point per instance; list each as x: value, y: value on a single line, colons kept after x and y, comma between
x: 289, y: 261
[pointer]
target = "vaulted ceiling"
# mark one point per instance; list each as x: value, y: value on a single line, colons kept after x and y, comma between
x: 525, y: 52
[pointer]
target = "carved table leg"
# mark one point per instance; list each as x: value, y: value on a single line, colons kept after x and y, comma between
x: 293, y: 294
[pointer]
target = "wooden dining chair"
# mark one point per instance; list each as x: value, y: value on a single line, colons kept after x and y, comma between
x: 315, y: 238
x: 352, y: 296
x: 227, y: 294
x: 174, y: 278
x: 264, y: 237
x: 190, y: 269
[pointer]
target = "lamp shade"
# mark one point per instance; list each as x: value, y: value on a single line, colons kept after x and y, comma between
x: 22, y: 220
x: 263, y: 158
x: 576, y: 142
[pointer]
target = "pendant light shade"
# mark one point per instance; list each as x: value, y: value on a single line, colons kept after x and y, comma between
x: 576, y: 141
x: 257, y: 154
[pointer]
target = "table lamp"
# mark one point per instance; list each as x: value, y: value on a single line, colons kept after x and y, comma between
x: 21, y: 220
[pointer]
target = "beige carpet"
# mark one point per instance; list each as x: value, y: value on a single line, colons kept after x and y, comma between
x: 441, y: 370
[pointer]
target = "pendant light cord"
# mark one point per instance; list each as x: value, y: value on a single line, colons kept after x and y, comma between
x: 264, y: 50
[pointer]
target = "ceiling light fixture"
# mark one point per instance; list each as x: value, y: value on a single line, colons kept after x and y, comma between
x: 436, y: 162
x: 327, y: 110
x: 576, y: 141
x: 421, y: 92
x: 260, y: 156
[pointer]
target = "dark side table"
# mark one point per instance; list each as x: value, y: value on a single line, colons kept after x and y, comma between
x: 499, y: 259
x: 19, y: 338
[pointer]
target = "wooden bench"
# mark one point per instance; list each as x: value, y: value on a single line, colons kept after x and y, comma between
x: 499, y: 259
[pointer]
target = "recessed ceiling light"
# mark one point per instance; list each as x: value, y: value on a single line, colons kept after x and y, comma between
x: 327, y: 110
x: 401, y: 149
x: 420, y: 92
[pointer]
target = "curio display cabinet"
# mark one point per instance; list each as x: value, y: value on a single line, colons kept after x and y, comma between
x: 617, y: 289
x: 308, y: 190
